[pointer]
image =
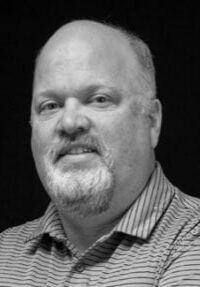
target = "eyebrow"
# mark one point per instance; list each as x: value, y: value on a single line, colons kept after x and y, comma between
x: 86, y: 90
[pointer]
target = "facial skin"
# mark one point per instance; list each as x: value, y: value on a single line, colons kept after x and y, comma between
x: 92, y: 143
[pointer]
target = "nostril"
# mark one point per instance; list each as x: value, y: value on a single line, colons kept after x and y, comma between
x: 80, y: 129
x: 71, y: 135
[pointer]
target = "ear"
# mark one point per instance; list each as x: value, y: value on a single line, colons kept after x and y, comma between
x: 155, y: 116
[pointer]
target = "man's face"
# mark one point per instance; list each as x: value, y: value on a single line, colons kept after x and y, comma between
x: 91, y: 143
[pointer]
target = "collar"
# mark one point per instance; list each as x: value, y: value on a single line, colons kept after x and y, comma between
x: 138, y: 221
x: 144, y: 213
x: 49, y: 223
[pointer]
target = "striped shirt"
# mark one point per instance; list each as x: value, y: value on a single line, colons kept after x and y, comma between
x: 156, y: 243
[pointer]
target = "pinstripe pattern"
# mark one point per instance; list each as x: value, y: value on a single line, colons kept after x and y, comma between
x: 156, y: 243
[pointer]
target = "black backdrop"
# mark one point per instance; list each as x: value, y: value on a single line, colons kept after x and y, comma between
x: 171, y: 30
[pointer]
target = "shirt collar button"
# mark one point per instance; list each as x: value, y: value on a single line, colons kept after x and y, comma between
x: 79, y: 267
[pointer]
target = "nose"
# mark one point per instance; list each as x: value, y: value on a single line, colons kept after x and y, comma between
x: 73, y: 120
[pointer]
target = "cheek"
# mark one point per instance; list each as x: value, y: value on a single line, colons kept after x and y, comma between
x: 127, y: 145
x: 123, y: 128
x: 127, y: 138
x: 40, y: 140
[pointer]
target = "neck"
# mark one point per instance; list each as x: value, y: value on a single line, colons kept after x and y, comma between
x: 84, y: 232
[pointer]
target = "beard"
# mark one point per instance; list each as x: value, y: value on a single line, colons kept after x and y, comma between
x: 84, y: 190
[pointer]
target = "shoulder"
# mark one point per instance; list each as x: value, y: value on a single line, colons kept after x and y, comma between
x: 15, y: 237
x: 187, y: 207
x: 179, y: 227
x: 182, y: 223
x: 182, y: 265
x: 187, y: 201
x: 183, y: 214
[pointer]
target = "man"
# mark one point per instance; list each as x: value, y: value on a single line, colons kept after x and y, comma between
x: 114, y: 218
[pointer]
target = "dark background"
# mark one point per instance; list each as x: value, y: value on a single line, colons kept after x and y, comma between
x: 171, y: 30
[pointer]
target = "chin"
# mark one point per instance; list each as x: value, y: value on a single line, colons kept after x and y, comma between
x: 84, y: 191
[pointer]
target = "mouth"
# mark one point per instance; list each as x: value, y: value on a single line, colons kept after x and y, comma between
x: 76, y: 150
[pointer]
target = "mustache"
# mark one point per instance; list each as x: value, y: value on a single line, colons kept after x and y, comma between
x: 86, y: 141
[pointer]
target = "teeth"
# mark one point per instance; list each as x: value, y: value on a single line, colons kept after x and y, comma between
x: 79, y: 150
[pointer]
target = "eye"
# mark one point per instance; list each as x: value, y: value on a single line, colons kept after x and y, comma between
x: 100, y: 100
x: 49, y: 106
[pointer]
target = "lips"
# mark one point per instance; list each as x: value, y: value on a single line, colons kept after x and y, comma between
x: 79, y: 150
x: 76, y: 149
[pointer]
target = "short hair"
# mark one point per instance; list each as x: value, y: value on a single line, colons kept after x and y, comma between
x: 144, y: 57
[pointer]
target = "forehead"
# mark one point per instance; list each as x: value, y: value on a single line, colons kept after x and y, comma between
x: 88, y: 56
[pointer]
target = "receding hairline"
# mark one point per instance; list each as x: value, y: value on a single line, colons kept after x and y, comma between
x: 139, y: 48
x: 81, y: 28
